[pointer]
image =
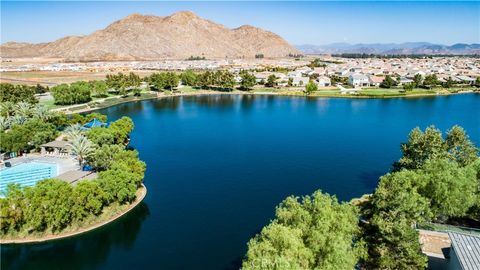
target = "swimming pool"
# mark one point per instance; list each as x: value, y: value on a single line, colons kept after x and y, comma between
x: 27, y: 174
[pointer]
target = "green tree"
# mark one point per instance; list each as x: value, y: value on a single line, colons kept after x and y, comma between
x: 171, y: 80
x: 27, y: 136
x: 89, y: 117
x: 75, y: 93
x: 189, y: 78
x: 99, y: 88
x: 408, y: 86
x: 430, y: 80
x: 133, y: 80
x: 12, y: 208
x: 206, y: 79
x: 101, y: 136
x: 88, y: 199
x: 164, y: 80
x: 121, y: 82
x: 224, y: 79
x: 290, y: 82
x: 316, y: 233
x: 451, y: 189
x: 310, y: 87
x: 49, y: 205
x: 121, y: 129
x: 420, y: 147
x: 394, y: 208
x: 117, y: 185
x: 430, y: 145
x: 393, y: 244
x: 418, y: 80
x: 460, y: 147
x: 248, y: 80
x: 157, y: 81
x: 449, y: 83
x: 17, y: 93
x: 398, y: 195
x: 388, y: 82
x: 104, y: 156
x: 271, y: 81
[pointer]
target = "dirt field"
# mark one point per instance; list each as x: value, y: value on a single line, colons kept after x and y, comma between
x: 52, y: 78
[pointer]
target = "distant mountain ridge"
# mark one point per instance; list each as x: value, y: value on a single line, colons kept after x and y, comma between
x: 391, y: 48
x: 145, y: 37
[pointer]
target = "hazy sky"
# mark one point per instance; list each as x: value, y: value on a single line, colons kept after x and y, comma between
x: 298, y: 22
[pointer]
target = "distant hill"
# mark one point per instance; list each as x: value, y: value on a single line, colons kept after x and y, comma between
x: 141, y: 37
x: 391, y: 48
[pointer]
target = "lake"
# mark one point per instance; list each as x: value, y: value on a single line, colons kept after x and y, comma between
x: 218, y: 165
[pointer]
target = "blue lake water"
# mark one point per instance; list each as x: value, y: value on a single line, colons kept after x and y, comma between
x: 218, y: 165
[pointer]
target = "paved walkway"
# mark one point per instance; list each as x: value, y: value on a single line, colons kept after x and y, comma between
x: 434, y: 243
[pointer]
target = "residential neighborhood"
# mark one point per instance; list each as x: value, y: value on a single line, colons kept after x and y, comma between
x: 357, y: 73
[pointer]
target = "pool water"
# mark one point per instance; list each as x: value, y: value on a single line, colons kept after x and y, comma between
x: 27, y: 174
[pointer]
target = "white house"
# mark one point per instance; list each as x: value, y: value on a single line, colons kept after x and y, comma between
x: 324, y: 81
x: 404, y: 80
x: 358, y: 80
x: 466, y: 79
x: 300, y: 81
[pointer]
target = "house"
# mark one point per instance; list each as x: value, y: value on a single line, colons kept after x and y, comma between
x: 294, y: 74
x: 464, y: 252
x: 356, y: 69
x: 319, y: 71
x: 262, y: 76
x: 300, y: 81
x: 404, y: 80
x: 324, y: 81
x: 375, y: 80
x: 466, y: 79
x: 358, y: 80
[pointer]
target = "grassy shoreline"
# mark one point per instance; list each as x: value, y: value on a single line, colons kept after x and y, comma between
x: 109, y: 214
x: 372, y: 93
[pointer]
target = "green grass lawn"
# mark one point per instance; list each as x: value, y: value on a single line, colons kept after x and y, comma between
x: 49, y: 104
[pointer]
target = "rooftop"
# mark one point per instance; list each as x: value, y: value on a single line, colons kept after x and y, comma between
x: 57, y: 144
x: 467, y: 248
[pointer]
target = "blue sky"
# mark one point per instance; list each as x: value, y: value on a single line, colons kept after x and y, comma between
x: 298, y: 22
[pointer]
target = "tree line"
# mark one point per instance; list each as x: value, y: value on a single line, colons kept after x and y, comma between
x: 19, y: 93
x: 436, y: 179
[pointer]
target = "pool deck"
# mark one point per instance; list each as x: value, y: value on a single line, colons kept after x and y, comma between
x: 63, y: 164
x: 68, y: 169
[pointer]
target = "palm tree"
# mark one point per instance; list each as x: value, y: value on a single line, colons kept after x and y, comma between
x: 82, y: 147
x: 73, y: 131
x: 4, y: 123
x: 42, y: 112
x: 23, y: 109
x: 6, y: 108
x: 18, y: 119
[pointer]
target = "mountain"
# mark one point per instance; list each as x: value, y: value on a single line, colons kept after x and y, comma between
x: 142, y: 37
x: 391, y: 48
